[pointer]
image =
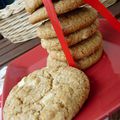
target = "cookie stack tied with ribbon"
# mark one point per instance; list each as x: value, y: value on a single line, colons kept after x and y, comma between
x: 80, y: 26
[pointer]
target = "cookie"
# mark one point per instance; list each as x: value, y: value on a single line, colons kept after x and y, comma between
x: 32, y: 5
x: 70, y: 22
x: 80, y: 50
x: 61, y: 6
x: 48, y: 94
x: 82, y: 63
x: 72, y: 39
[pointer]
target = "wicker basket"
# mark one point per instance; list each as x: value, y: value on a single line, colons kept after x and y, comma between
x: 17, y: 27
x: 108, y: 3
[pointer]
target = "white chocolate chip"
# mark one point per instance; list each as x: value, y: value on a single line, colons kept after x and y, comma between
x: 21, y: 83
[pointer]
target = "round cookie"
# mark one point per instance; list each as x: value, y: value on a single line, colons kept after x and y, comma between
x: 72, y: 39
x: 82, y: 63
x: 32, y: 5
x: 70, y: 22
x: 48, y: 94
x: 80, y: 50
x: 61, y: 6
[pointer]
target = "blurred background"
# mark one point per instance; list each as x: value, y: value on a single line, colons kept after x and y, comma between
x: 3, y: 3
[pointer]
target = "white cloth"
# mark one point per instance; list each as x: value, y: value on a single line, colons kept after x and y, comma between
x: 14, y: 8
x: 2, y: 77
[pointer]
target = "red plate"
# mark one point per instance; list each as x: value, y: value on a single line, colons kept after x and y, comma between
x: 104, y: 76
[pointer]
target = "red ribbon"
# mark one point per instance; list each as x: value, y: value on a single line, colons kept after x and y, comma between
x: 105, y: 13
x: 57, y: 27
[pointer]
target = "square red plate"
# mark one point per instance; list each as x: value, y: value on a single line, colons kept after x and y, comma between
x: 104, y: 76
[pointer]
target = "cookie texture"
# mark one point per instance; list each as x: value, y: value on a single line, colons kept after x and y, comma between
x: 32, y: 5
x: 80, y: 50
x: 48, y: 94
x: 70, y: 22
x: 83, y: 64
x: 72, y: 39
x: 61, y: 6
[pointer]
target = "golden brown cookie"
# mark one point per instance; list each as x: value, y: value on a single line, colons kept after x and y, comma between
x: 72, y: 39
x: 70, y: 22
x: 43, y: 95
x: 32, y: 5
x: 61, y: 6
x: 80, y: 50
x: 82, y: 63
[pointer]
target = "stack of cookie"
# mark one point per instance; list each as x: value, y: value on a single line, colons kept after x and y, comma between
x: 80, y: 26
